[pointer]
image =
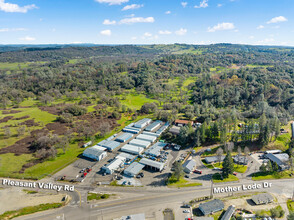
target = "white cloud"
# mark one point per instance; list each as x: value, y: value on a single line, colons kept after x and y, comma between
x: 277, y: 20
x: 109, y: 22
x: 27, y: 38
x: 112, y: 2
x: 221, y: 27
x: 219, y: 5
x: 106, y: 32
x: 168, y: 12
x: 9, y: 7
x: 147, y: 34
x: 166, y: 32
x: 137, y: 20
x: 132, y: 6
x: 184, y: 4
x: 203, y: 4
x: 134, y: 38
x: 12, y: 29
x: 266, y: 41
x: 260, y: 27
x: 181, y: 32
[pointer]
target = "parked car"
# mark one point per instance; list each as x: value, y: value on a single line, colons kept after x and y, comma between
x: 216, y: 168
x: 186, y: 211
x: 82, y: 170
x: 234, y: 173
x: 187, y: 176
x: 198, y: 171
x: 63, y: 178
x: 88, y: 170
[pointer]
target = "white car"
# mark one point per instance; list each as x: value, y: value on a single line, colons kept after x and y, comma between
x: 186, y: 211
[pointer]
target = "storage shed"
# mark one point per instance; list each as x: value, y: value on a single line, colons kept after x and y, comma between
x: 94, y: 153
x: 162, y: 129
x: 189, y: 166
x: 145, y: 137
x: 132, y: 149
x: 124, y: 137
x: 140, y: 143
x: 134, y: 169
x: 113, y: 166
x: 213, y: 159
x: 110, y: 145
x: 142, y: 123
x: 152, y: 164
x: 153, y: 126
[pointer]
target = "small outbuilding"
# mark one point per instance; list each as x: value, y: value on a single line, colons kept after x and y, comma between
x: 134, y: 169
x: 189, y: 166
x: 214, y: 159
x: 263, y: 198
x: 211, y: 207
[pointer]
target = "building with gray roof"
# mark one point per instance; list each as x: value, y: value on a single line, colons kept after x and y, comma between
x: 175, y: 130
x: 228, y: 214
x: 213, y: 159
x: 162, y: 129
x: 142, y: 123
x: 153, y: 126
x: 110, y: 145
x: 130, y: 131
x: 263, y: 198
x: 239, y: 159
x: 132, y: 149
x: 145, y: 137
x: 124, y: 137
x: 211, y: 207
x: 150, y: 133
x: 140, y: 143
x: 152, y: 164
x: 155, y: 149
x: 189, y: 166
x: 134, y: 169
x: 94, y: 153
x: 114, y: 165
x: 126, y: 156
x: 280, y: 159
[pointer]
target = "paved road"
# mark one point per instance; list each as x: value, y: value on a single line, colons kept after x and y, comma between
x: 147, y: 198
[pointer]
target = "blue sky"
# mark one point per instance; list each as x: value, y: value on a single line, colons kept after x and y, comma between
x: 258, y: 22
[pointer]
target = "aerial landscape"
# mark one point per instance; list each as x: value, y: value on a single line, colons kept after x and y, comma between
x: 157, y: 110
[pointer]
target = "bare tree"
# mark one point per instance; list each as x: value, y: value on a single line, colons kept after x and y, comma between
x: 21, y: 131
x: 219, y: 154
x: 229, y: 146
x: 239, y: 151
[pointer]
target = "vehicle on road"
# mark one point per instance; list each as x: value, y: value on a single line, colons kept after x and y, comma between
x: 186, y: 211
x: 216, y: 168
x: 197, y: 171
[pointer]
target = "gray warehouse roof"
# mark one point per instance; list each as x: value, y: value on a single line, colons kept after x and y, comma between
x: 124, y: 137
x: 213, y: 159
x: 152, y: 163
x: 140, y: 143
x: 142, y: 123
x: 132, y: 149
x: 280, y: 159
x: 263, y: 198
x: 155, y: 149
x: 150, y: 133
x: 111, y: 145
x: 228, y: 214
x: 134, y: 169
x: 153, y: 126
x: 126, y: 155
x: 211, y: 206
x: 145, y: 137
x: 189, y: 164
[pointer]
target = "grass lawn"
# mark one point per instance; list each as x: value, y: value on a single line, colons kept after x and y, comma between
x: 217, y: 178
x: 97, y: 196
x: 282, y: 141
x: 278, y: 175
x: 135, y: 101
x: 237, y: 168
x: 30, y: 210
x: 172, y: 182
x: 210, y: 166
x: 290, y: 205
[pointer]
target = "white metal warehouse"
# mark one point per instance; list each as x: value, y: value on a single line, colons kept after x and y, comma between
x: 132, y: 149
x: 140, y: 143
x: 113, y: 166
x: 134, y: 169
x: 94, y: 153
x: 152, y: 164
x: 99, y: 148
x: 110, y: 145
x: 150, y: 133
x: 142, y: 123
x: 153, y: 126
x: 145, y: 137
x: 155, y: 149
x: 124, y: 137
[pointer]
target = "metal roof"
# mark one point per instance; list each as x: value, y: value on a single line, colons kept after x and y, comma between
x: 99, y: 148
x: 263, y: 198
x: 240, y: 159
x: 140, y: 143
x: 228, y: 214
x: 273, y: 151
x: 93, y: 153
x: 124, y: 137
x: 163, y: 128
x: 189, y: 164
x: 126, y: 156
x: 153, y: 126
x: 130, y: 131
x: 134, y: 169
x: 280, y: 159
x: 146, y: 137
x: 142, y: 122
x: 155, y: 149
x: 152, y: 163
x: 174, y: 129
x: 111, y: 145
x: 115, y: 164
x: 132, y: 149
x: 213, y: 159
x: 150, y: 133
x: 211, y: 206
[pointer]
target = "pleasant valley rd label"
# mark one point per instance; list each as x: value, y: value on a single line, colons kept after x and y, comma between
x: 49, y: 186
x: 242, y: 187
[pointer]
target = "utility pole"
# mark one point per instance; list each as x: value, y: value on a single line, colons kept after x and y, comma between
x: 211, y: 191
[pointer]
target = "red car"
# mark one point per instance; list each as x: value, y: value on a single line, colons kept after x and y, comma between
x: 88, y: 170
x: 234, y: 173
x: 84, y: 174
x: 198, y: 171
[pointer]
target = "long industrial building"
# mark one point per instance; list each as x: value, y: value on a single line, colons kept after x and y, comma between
x: 110, y: 145
x: 130, y: 130
x: 124, y: 137
x: 153, y: 126
x: 142, y: 123
x: 145, y: 137
x: 132, y: 149
x: 152, y: 164
x: 155, y: 149
x: 94, y: 153
x: 162, y: 129
x: 140, y: 143
x: 150, y: 133
x: 113, y: 166
x: 134, y: 169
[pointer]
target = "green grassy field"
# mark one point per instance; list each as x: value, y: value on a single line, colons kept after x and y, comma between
x: 173, y: 182
x: 290, y: 205
x: 135, y: 101
x: 17, y: 66
x: 216, y: 178
x: 278, y: 175
x: 237, y: 168
x: 97, y: 196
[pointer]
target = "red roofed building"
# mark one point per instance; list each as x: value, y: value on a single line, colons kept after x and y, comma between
x: 179, y: 122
